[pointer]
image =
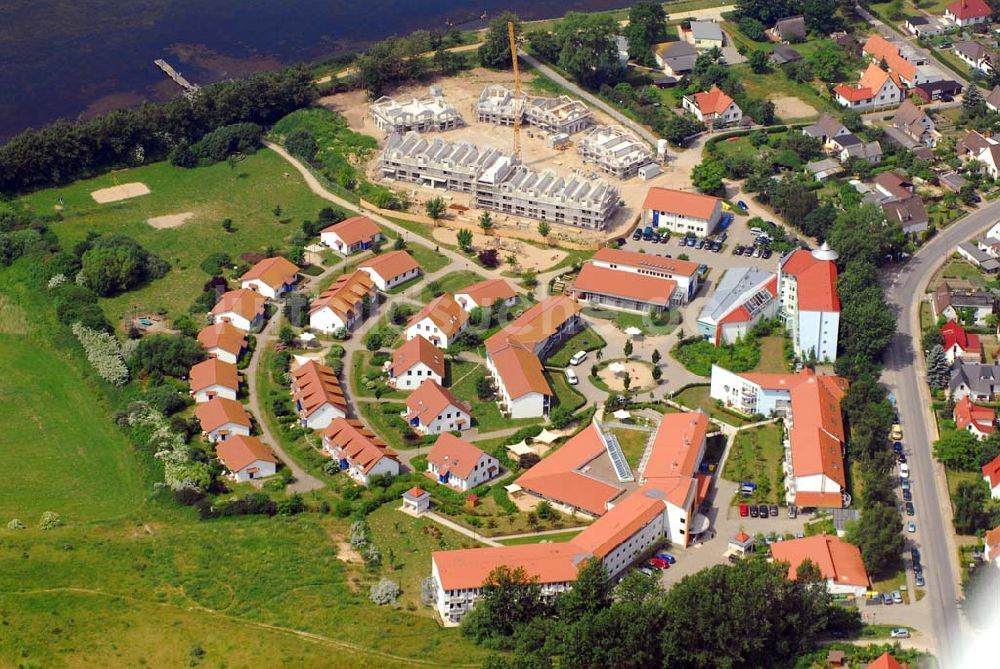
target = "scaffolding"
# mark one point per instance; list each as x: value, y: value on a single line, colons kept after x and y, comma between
x: 615, y: 151
x: 427, y: 114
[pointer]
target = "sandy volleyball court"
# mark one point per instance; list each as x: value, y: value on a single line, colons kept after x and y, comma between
x: 170, y: 220
x: 120, y: 192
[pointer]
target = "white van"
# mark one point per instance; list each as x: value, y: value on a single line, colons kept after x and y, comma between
x: 571, y: 377
x: 578, y: 357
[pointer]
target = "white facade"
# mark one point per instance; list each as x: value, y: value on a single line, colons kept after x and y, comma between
x: 450, y: 419
x: 428, y: 329
x: 215, y: 390
x: 747, y: 397
x: 386, y: 465
x: 238, y: 321
x: 529, y: 405
x: 889, y: 95
x: 964, y: 23
x: 327, y: 321
x: 385, y: 284
x: 994, y: 489
x: 322, y: 417
x: 625, y: 553
x: 257, y: 469
x: 223, y: 355
x: 467, y: 303
x: 682, y: 223
x: 332, y: 240
x: 227, y: 430
x: 480, y: 474
x: 816, y: 334
x: 411, y: 378
x: 731, y: 115
x: 258, y: 286
x: 687, y: 284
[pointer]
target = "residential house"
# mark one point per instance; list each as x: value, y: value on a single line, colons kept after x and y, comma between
x: 991, y: 473
x: 246, y: 458
x: 349, y: 236
x: 990, y: 158
x: 904, y: 66
x: 925, y: 26
x: 869, y: 151
x: 966, y: 13
x: 886, y: 661
x: 978, y: 420
x: 243, y: 309
x: 707, y: 35
x: 271, y: 277
x: 978, y: 257
x: 488, y: 294
x: 990, y: 246
x: 789, y: 29
x: 916, y: 124
x: 456, y: 463
x: 414, y: 362
x: 342, y: 305
x: 683, y: 273
x: 222, y: 418
x: 784, y: 54
x: 389, y: 270
x: 894, y: 186
x: 993, y: 99
x: 972, y: 144
x: 714, y: 108
x: 942, y: 89
x: 826, y: 130
x: 681, y: 212
x: 440, y: 322
x: 909, y: 214
x: 213, y: 378
x: 822, y: 170
x: 877, y: 89
x: 975, y: 55
x: 952, y: 181
x: 743, y: 297
x: 991, y: 543
x: 839, y: 562
x: 810, y: 305
x: 317, y: 395
x: 977, y: 305
x: 358, y: 451
x: 974, y: 380
x: 675, y: 58
x: 223, y: 341
x: 431, y: 409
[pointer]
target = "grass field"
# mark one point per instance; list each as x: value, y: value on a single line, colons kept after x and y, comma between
x: 247, y: 194
x: 486, y: 415
x: 756, y: 456
x: 772, y: 355
x: 697, y: 397
x: 555, y: 537
x: 454, y: 282
x: 584, y: 340
x: 633, y: 443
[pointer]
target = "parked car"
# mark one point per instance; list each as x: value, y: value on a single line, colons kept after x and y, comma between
x: 907, y: 495
x: 665, y: 238
x: 742, y: 205
x: 900, y: 458
x: 897, y: 446
x: 763, y: 511
x: 897, y: 432
x: 886, y: 599
x: 911, y: 527
x: 758, y: 253
x: 909, y: 509
x: 659, y: 563
x: 756, y: 231
x: 766, y: 254
x: 668, y: 557
x: 647, y: 571
x: 905, y: 484
x: 701, y: 243
x: 754, y: 511
x: 896, y: 597
x: 904, y: 471
x: 738, y: 251
x: 915, y: 555
x: 744, y: 510
x: 637, y: 235
x: 571, y: 377
x: 919, y: 579
x: 899, y: 633
x: 774, y: 510
x: 577, y: 358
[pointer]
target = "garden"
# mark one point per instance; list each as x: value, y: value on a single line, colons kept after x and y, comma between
x: 756, y: 455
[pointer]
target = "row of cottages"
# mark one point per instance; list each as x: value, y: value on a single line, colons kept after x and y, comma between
x: 413, y: 363
x: 458, y: 464
x: 354, y: 234
x: 713, y: 108
x: 358, y: 451
x: 225, y: 423
x: 979, y: 421
x: 271, y: 277
x: 841, y: 142
x: 951, y: 303
x: 342, y: 305
x: 810, y: 305
x: 317, y: 395
x: 743, y: 297
x: 213, y: 378
x: 221, y: 418
x: 635, y: 281
x: 681, y: 212
x: 899, y: 201
x: 907, y: 67
x: 514, y: 355
x: 839, y: 562
x: 223, y: 341
x: 814, y: 441
x: 991, y: 474
x: 663, y: 506
x: 440, y: 322
x: 431, y: 409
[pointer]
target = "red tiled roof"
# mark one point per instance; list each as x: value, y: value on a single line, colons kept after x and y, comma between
x: 954, y: 334
x: 886, y: 661
x: 314, y: 386
x: 417, y: 350
x: 879, y: 47
x: 536, y: 324
x: 836, y: 559
x: 238, y: 452
x: 213, y: 372
x: 694, y: 205
x: 218, y: 411
x: 224, y: 336
x: 983, y: 419
x: 623, y: 520
x: 345, y: 296
x: 874, y: 78
x: 992, y: 540
x: 354, y: 230
x: 454, y: 455
x: 360, y: 445
x: 429, y: 400
x: 816, y: 281
x: 714, y: 101
x: 853, y: 93
x: 673, y: 457
x: 646, y: 260
x: 243, y: 302
x: 991, y: 470
x: 818, y: 500
x: 274, y: 272
x: 485, y: 293
x: 639, y: 287
x: 969, y: 9
x: 444, y: 312
x: 470, y: 567
x: 392, y: 264
x: 521, y: 371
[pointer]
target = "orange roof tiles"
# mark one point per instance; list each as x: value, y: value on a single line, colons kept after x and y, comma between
x: 454, y: 455
x: 238, y: 452
x: 816, y: 281
x: 879, y: 47
x: 966, y: 413
x: 360, y: 445
x: 429, y: 400
x: 536, y: 324
x: 223, y: 336
x: 243, y: 302
x: 694, y: 205
x: 354, y: 230
x: 446, y: 313
x: 819, y: 500
x: 991, y: 470
x: 469, y: 568
x: 969, y: 9
x: 886, y: 661
x: 417, y: 350
x: 673, y: 456
x: 218, y: 411
x: 213, y: 372
x: 274, y: 272
x: 346, y: 294
x: 557, y: 476
x: 623, y: 520
x: 632, y: 286
x: 485, y: 293
x: 392, y: 264
x: 521, y: 371
x: 953, y: 334
x: 853, y: 93
x: 875, y: 77
x: 646, y: 260
x: 836, y: 559
x: 714, y: 101
x: 992, y: 540
x: 314, y: 386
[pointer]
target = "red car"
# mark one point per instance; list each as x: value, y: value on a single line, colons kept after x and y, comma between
x: 744, y: 510
x: 659, y: 563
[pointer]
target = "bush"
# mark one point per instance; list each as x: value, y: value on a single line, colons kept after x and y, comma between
x: 15, y: 524
x: 697, y: 355
x: 216, y: 263
x: 104, y: 352
x: 220, y: 144
x: 115, y: 263
x: 300, y: 142
x: 386, y: 591
x: 49, y: 520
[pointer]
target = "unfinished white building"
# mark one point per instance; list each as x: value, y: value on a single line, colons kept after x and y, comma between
x: 427, y: 114
x: 615, y: 151
x: 498, y: 182
x: 498, y: 105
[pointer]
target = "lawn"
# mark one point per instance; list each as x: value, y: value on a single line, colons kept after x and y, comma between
x: 633, y: 443
x: 428, y: 260
x: 776, y: 84
x: 584, y: 340
x: 453, y: 282
x: 963, y: 270
x: 893, y: 583
x: 698, y: 355
x: 756, y: 456
x: 486, y: 415
x: 697, y: 397
x: 380, y: 416
x: 554, y: 538
x: 247, y: 194
x: 772, y: 355
x: 361, y: 367
x: 565, y: 395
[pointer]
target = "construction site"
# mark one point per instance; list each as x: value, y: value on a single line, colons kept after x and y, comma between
x: 430, y: 113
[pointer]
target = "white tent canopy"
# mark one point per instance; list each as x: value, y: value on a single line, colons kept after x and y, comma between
x: 616, y: 368
x: 633, y: 331
x: 307, y: 336
x: 546, y: 437
x: 520, y: 448
x: 621, y: 414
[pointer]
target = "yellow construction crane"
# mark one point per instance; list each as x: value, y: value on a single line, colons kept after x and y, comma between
x: 517, y: 90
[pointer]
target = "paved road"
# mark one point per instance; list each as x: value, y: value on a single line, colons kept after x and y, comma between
x: 905, y: 375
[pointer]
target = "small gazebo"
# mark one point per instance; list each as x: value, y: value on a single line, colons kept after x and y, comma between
x: 741, y: 544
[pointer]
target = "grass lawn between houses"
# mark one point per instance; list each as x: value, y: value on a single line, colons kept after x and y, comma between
x: 633, y: 443
x: 554, y: 538
x: 584, y: 340
x: 485, y: 414
x: 697, y: 397
x: 756, y: 456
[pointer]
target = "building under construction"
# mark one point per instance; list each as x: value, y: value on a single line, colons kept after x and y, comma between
x: 427, y: 114
x: 498, y: 182
x: 615, y: 151
x: 500, y: 106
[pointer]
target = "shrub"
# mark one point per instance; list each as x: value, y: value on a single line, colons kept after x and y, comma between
x: 15, y: 524
x: 386, y: 591
x: 49, y: 520
x: 104, y: 352
x: 216, y: 263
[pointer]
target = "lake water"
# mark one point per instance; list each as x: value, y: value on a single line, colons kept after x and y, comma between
x: 64, y: 58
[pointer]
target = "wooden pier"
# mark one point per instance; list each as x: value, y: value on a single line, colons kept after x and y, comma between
x: 178, y: 78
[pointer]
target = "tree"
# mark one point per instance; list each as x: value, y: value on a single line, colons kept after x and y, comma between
x: 958, y: 449
x: 938, y: 369
x: 286, y: 335
x: 707, y: 177
x: 657, y: 373
x: 447, y: 62
x: 760, y: 62
x: 827, y: 62
x: 821, y: 16
x: 656, y: 356
x: 973, y: 104
x: 591, y: 593
x: 464, y: 239
x: 628, y: 347
x: 588, y: 51
x: 508, y: 599
x: 296, y: 309
x: 435, y: 208
x: 862, y: 233
x: 300, y: 142
x: 627, y: 381
x: 969, y: 501
x: 373, y: 341
x: 560, y: 417
x: 544, y: 229
x: 486, y: 222
x: 166, y: 354
x: 494, y: 52
x: 879, y: 536
x: 753, y: 29
x: 484, y: 389
x: 647, y: 21
x: 115, y: 263
x: 794, y: 200
x: 489, y: 258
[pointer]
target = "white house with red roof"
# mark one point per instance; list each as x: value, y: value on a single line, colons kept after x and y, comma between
x: 243, y: 309
x: 960, y: 345
x: 431, y: 409
x: 271, y: 277
x: 968, y: 12
x: 810, y: 305
x: 222, y: 418
x: 317, y: 395
x: 223, y: 341
x: 458, y: 464
x: 486, y: 295
x: 682, y: 272
x: 440, y: 322
x: 744, y: 297
x: 978, y: 420
x: 991, y: 472
x: 213, y: 378
x: 839, y: 562
x: 358, y: 451
x: 413, y: 363
x: 389, y: 270
x: 876, y: 89
x: 681, y: 212
x: 349, y: 236
x: 341, y: 306
x: 246, y: 458
x: 713, y: 108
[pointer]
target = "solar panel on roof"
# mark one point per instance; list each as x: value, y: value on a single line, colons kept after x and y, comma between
x: 622, y: 470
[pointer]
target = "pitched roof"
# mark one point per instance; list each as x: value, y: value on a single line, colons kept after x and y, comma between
x: 994, y: 97
x: 825, y: 126
x: 740, y: 291
x: 315, y: 385
x: 713, y: 101
x: 909, y: 115
x: 979, y: 378
x: 345, y: 296
x: 453, y: 455
x: 991, y: 470
x: 238, y: 452
x: 521, y: 370
x: 360, y: 445
x: 673, y: 456
x: 694, y: 205
x: 392, y: 264
x: 558, y: 474
x: 640, y: 287
x: 429, y: 400
x: 974, y: 142
x: 213, y: 372
x: 470, y: 567
x: 983, y: 419
x: 706, y: 30
x: 875, y: 77
x: 974, y: 51
x: 836, y: 559
x: 954, y: 334
x: 418, y: 350
x: 894, y: 182
x: 817, y: 434
x: 647, y: 260
x: 218, y: 411
x: 853, y: 93
x: 536, y: 324
x: 243, y: 302
x: 816, y: 280
x: 909, y: 212
x: 485, y: 293
x: 791, y: 26
x: 354, y: 230
x: 886, y: 661
x: 992, y: 540
x: 274, y: 272
x: 445, y: 312
x: 969, y: 9
x: 623, y: 520
x: 879, y: 47
x: 224, y: 336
